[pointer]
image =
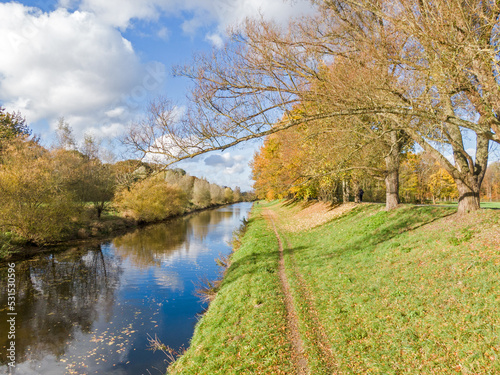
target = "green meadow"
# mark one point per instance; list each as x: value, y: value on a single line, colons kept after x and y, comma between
x: 412, y: 291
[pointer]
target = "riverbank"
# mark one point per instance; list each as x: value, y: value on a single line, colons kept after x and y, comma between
x: 110, y: 224
x: 408, y: 291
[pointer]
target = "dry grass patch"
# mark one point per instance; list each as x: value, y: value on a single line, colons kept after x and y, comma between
x: 309, y: 216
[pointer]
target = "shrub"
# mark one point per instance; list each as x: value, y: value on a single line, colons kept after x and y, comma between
x: 150, y: 200
x: 201, y: 193
x: 35, y: 204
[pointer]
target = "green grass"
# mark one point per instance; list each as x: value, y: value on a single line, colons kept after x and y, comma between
x: 396, y: 297
x: 243, y: 331
x: 483, y: 204
x: 411, y: 291
x: 490, y: 204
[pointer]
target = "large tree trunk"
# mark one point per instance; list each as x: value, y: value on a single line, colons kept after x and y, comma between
x: 355, y: 185
x: 392, y: 189
x: 345, y: 191
x: 470, y: 174
x: 468, y: 196
x: 392, y: 176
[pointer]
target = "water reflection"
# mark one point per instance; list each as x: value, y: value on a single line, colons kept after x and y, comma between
x: 57, y: 296
x: 90, y: 310
x: 151, y: 245
x: 147, y: 246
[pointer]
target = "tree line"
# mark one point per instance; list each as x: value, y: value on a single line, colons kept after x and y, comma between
x: 57, y: 193
x: 286, y: 167
x: 361, y: 81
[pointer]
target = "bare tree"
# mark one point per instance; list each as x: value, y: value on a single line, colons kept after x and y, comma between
x: 429, y: 69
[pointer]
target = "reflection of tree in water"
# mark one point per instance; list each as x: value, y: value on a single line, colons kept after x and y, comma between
x: 146, y: 246
x: 199, y: 224
x: 149, y: 245
x: 57, y: 295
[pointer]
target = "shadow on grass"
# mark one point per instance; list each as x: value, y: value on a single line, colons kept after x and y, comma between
x: 373, y: 230
x: 365, y: 231
x: 253, y: 264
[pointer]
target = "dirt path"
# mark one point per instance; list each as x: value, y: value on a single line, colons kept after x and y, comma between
x: 300, y: 361
x: 315, y: 328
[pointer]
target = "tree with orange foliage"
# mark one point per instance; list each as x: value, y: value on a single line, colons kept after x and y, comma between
x: 491, y: 185
x: 425, y: 68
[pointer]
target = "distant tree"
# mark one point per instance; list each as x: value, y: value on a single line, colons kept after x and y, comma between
x: 228, y: 195
x: 186, y: 184
x: 152, y: 199
x: 96, y: 181
x: 128, y: 172
x: 216, y: 194
x: 491, y: 185
x: 442, y: 186
x: 64, y: 136
x: 12, y: 125
x: 201, y: 193
x: 416, y: 169
x: 237, y: 194
x: 93, y: 181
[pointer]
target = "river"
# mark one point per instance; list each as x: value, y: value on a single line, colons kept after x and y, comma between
x: 91, y: 310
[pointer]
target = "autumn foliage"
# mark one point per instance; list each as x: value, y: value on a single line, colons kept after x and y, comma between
x: 53, y: 194
x: 150, y: 200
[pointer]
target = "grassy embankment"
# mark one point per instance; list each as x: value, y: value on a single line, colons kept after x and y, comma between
x: 493, y: 205
x: 413, y: 291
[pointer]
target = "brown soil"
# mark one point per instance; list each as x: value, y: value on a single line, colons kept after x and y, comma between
x: 300, y: 361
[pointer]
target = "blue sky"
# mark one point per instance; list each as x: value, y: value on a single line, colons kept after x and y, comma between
x: 97, y: 63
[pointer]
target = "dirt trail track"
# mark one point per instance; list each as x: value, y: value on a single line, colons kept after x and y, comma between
x: 300, y: 360
x: 316, y: 330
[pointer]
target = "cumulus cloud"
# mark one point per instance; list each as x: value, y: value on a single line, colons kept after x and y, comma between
x: 229, y: 168
x: 74, y: 61
x: 215, y: 39
x: 70, y: 64
x: 119, y: 13
x: 197, y: 13
x: 225, y: 160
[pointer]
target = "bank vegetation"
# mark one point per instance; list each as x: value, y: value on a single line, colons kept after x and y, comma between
x: 71, y: 191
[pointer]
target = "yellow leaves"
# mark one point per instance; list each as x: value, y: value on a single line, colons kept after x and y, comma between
x: 152, y: 199
x: 442, y: 185
x: 36, y: 202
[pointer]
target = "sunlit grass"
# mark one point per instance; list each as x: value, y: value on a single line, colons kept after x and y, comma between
x: 398, y: 296
x: 411, y: 291
x: 490, y: 204
x: 244, y: 328
x: 483, y: 204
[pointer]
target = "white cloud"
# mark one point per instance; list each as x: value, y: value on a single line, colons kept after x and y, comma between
x: 163, y: 33
x: 216, y: 40
x: 72, y: 65
x: 116, y: 112
x: 229, y: 168
x: 74, y: 61
x: 119, y: 13
x: 223, y: 13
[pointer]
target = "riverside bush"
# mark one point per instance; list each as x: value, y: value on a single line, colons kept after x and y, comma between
x: 35, y: 205
x: 150, y: 200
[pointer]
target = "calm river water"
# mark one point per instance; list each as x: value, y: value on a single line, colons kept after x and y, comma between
x: 90, y: 310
